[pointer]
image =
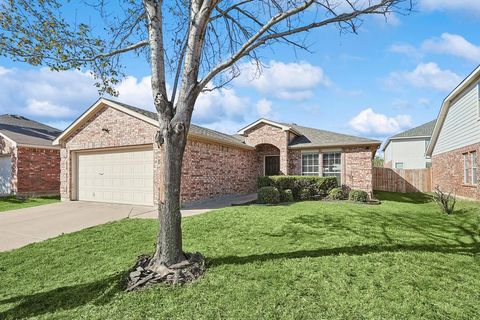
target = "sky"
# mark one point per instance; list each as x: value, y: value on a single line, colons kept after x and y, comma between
x: 389, y: 77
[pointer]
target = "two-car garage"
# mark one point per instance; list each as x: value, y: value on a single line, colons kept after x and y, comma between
x: 116, y: 176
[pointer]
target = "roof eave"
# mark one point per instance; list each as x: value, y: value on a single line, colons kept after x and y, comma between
x: 270, y: 122
x: 366, y: 144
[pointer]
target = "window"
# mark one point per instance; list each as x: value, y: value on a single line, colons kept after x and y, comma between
x: 398, y: 165
x: 310, y: 164
x: 466, y: 168
x: 332, y: 165
x: 474, y: 167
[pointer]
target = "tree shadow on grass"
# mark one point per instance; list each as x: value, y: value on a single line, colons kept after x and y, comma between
x: 414, y: 198
x: 99, y: 292
x: 469, y: 250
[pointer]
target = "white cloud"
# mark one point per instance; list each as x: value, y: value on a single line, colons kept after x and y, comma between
x: 467, y: 6
x: 264, y: 107
x: 137, y: 92
x: 292, y: 81
x: 3, y: 71
x: 425, y: 75
x: 370, y: 122
x: 447, y: 43
x: 453, y: 44
x: 41, y: 108
x: 45, y: 94
x: 406, y: 49
x: 61, y: 124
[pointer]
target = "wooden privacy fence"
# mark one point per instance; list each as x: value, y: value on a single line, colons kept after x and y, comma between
x: 402, y: 180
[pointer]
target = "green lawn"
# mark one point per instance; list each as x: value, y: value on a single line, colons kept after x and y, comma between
x: 310, y: 260
x: 12, y: 203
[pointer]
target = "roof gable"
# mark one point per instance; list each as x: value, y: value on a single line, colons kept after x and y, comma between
x: 151, y: 118
x: 423, y: 131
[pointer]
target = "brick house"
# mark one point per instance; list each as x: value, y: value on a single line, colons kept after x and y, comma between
x: 29, y: 163
x: 455, y: 142
x: 108, y: 154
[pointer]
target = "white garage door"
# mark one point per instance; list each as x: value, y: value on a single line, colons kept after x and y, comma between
x: 5, y: 174
x: 116, y: 176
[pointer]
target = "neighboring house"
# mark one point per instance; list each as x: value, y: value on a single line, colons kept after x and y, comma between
x: 406, y: 150
x: 108, y: 154
x: 455, y: 143
x: 29, y: 163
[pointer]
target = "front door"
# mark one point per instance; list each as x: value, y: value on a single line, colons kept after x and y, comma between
x: 272, y: 165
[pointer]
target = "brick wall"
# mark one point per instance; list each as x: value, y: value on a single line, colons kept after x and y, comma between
x: 448, y: 172
x: 211, y: 170
x: 38, y: 171
x: 357, y: 173
x: 268, y: 134
x: 208, y: 170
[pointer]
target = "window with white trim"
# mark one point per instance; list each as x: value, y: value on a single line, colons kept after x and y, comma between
x: 310, y: 165
x: 332, y: 165
x: 466, y: 168
x: 474, y: 167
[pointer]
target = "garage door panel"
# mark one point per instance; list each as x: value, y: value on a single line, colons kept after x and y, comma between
x: 117, y: 176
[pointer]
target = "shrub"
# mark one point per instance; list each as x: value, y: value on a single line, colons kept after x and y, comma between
x: 286, y: 195
x: 358, y: 196
x: 268, y: 195
x: 445, y: 201
x: 318, y: 186
x: 336, y: 194
x: 305, y: 194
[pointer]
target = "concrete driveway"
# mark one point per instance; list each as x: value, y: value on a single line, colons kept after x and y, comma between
x: 23, y: 226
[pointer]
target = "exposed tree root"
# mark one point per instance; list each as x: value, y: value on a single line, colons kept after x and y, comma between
x: 142, y: 275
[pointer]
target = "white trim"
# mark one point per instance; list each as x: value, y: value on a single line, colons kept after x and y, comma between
x: 446, y: 106
x: 33, y: 146
x: 270, y: 122
x: 14, y: 144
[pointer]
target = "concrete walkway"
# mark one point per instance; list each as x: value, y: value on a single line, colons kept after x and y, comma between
x: 23, y: 226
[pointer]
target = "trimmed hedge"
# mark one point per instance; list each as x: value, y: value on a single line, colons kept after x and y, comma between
x: 317, y: 186
x: 268, y: 195
x: 358, y: 196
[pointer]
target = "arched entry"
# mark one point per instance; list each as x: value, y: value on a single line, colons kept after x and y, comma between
x: 269, y: 159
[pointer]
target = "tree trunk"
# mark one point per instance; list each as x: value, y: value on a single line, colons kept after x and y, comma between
x: 169, y: 243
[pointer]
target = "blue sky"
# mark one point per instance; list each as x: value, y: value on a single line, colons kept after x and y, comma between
x: 388, y: 78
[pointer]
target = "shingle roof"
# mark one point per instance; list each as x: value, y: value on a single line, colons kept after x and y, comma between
x: 312, y: 137
x: 27, y: 132
x: 425, y: 130
x: 194, y: 129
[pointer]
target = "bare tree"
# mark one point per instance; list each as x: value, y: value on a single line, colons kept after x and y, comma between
x: 194, y: 45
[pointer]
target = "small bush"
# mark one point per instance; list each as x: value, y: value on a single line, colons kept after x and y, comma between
x: 358, y: 196
x: 446, y: 201
x: 336, y: 194
x: 268, y: 195
x: 305, y: 194
x: 286, y: 195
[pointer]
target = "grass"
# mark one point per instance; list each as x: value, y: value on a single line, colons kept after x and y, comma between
x: 310, y: 260
x: 12, y: 202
